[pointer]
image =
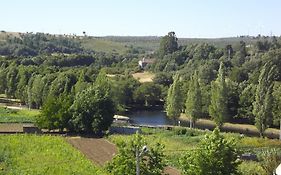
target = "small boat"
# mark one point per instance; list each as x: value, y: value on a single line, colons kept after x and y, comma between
x: 121, y: 119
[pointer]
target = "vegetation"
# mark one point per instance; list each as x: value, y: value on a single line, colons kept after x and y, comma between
x: 38, y: 67
x: 193, y: 100
x: 174, y: 99
x: 168, y: 44
x: 182, y: 140
x: 214, y: 155
x: 264, y: 99
x: 218, y: 107
x: 55, y: 113
x: 152, y: 161
x: 17, y: 116
x: 91, y: 111
x: 277, y: 105
x: 31, y: 154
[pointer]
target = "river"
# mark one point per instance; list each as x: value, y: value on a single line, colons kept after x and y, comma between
x: 149, y: 118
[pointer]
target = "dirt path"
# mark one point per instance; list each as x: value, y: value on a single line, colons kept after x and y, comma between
x: 11, y: 127
x: 100, y: 151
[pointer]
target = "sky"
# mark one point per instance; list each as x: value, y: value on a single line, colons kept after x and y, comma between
x: 187, y: 18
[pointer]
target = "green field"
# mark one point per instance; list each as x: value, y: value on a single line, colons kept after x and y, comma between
x: 17, y: 115
x: 31, y: 154
x: 180, y: 140
x: 102, y: 45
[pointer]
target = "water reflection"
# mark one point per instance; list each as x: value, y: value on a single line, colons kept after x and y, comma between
x: 149, y: 118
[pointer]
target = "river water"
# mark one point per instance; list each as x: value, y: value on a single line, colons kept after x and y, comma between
x: 149, y: 118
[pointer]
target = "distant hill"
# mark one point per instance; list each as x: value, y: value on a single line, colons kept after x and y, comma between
x: 122, y: 44
x: 151, y: 43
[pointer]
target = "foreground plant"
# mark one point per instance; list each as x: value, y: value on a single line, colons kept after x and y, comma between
x: 151, y: 161
x: 214, y: 156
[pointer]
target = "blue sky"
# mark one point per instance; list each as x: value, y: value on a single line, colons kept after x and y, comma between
x: 188, y: 18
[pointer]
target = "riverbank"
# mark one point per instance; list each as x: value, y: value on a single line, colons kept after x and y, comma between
x: 246, y: 129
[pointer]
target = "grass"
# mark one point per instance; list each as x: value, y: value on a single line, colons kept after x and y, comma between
x: 232, y: 127
x: 17, y: 115
x: 251, y: 168
x: 102, y: 45
x: 144, y: 76
x: 31, y: 154
x: 180, y: 140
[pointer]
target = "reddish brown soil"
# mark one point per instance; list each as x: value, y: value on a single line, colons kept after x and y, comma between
x: 100, y: 151
x: 96, y: 149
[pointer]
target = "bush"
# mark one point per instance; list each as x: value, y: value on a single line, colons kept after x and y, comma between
x: 251, y: 168
x: 215, y: 155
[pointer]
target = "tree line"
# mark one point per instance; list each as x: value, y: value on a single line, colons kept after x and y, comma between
x: 239, y: 86
x: 198, y: 73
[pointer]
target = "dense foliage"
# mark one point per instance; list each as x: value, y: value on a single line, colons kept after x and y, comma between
x: 152, y: 162
x: 181, y: 140
x: 38, y: 67
x: 218, y: 108
x: 174, y: 99
x: 193, y: 102
x: 214, y: 155
x: 262, y: 107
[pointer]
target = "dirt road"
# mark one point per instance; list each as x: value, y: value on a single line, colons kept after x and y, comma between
x: 100, y: 151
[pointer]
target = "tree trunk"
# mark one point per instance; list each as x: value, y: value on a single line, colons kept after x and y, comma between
x: 194, y: 123
x: 262, y: 134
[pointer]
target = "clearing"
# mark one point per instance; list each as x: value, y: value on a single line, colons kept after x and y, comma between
x: 144, y: 76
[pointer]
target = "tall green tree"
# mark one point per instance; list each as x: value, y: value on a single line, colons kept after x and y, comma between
x: 55, y: 113
x: 93, y: 108
x: 81, y: 83
x: 263, y: 105
x: 148, y: 94
x: 34, y: 91
x: 194, y: 100
x: 152, y: 162
x: 11, y: 80
x: 240, y: 56
x: 246, y: 99
x: 24, y: 75
x: 215, y: 155
x: 3, y: 83
x: 168, y: 44
x: 174, y: 99
x: 219, y: 100
x: 92, y: 112
x: 277, y: 105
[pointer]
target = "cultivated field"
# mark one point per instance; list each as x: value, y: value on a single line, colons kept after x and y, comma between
x: 179, y: 140
x: 101, y: 151
x: 31, y: 154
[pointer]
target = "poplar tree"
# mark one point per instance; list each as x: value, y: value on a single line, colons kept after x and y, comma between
x: 263, y: 104
x: 277, y: 105
x: 174, y: 100
x: 219, y: 100
x: 194, y: 100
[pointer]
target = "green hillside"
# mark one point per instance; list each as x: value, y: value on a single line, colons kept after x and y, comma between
x: 103, y: 45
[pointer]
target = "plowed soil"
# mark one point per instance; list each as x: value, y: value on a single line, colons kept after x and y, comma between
x: 100, y: 151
